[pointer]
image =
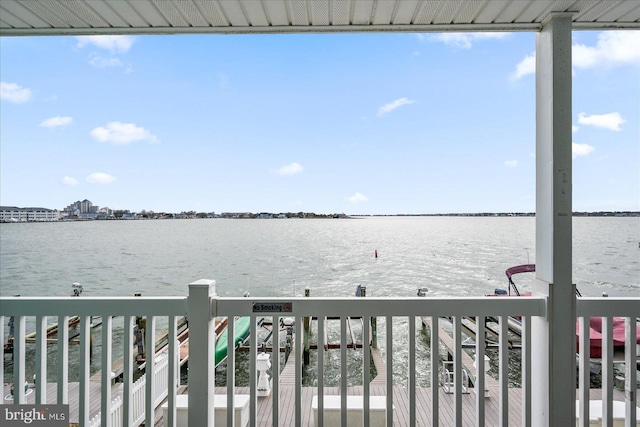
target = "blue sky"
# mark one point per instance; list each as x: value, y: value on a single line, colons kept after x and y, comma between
x: 353, y: 123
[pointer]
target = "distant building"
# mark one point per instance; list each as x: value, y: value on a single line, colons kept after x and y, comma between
x: 81, y: 209
x: 16, y: 214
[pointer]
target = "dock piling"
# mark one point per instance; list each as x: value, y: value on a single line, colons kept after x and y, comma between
x: 306, y: 322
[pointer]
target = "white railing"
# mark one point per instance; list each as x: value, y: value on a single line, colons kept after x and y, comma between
x: 160, y: 391
x: 402, y: 311
x: 606, y: 308
x: 390, y: 309
x: 35, y: 311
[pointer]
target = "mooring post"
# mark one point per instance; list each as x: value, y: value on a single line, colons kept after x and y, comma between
x: 374, y: 322
x: 374, y: 332
x: 306, y: 322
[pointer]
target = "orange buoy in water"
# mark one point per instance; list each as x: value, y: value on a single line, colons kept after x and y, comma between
x: 376, y: 253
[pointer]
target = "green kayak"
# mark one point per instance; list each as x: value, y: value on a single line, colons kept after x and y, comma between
x: 242, y: 328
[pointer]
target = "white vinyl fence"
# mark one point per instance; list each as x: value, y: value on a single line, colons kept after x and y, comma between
x: 138, y: 400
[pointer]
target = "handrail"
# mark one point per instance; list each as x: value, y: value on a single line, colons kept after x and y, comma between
x: 437, y: 306
x: 386, y: 309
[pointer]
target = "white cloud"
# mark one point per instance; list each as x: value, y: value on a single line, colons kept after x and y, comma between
x: 524, y: 67
x: 13, y: 92
x: 611, y: 121
x: 122, y: 133
x: 114, y: 44
x: 511, y: 163
x: 67, y: 180
x: 100, y: 178
x: 465, y: 40
x: 581, y: 149
x: 393, y: 105
x: 57, y: 121
x: 613, y: 48
x: 358, y: 197
x: 100, y: 62
x: 290, y: 169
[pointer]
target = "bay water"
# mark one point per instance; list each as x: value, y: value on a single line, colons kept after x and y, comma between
x: 451, y: 256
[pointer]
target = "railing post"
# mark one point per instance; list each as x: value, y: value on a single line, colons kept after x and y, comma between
x: 201, y: 314
x: 553, y: 356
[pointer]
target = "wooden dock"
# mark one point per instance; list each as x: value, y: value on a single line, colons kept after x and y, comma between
x: 467, y: 361
x: 287, y: 398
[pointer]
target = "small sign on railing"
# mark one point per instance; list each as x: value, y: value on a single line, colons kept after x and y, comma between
x: 272, y: 307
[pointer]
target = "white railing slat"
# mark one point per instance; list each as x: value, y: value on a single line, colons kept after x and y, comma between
x: 343, y: 370
x: 275, y: 369
x: 41, y: 360
x: 457, y: 370
x: 298, y: 365
x: 105, y: 389
x: 504, y: 371
x: 435, y: 366
x: 411, y: 385
x: 321, y: 331
x: 127, y: 374
x: 607, y: 371
x: 584, y: 371
x: 2, y: 361
x: 631, y: 380
x: 480, y: 372
x: 231, y: 371
x: 525, y: 367
x: 19, y: 351
x: 85, y: 369
x: 173, y: 363
x: 253, y: 372
x: 366, y: 374
x: 150, y: 361
x: 63, y: 360
x: 389, y: 340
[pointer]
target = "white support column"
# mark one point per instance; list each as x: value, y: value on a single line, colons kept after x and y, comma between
x: 202, y: 341
x: 553, y: 352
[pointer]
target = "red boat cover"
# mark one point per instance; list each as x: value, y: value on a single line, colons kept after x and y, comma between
x: 524, y: 268
x: 595, y: 335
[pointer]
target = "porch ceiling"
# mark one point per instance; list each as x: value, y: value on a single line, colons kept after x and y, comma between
x: 60, y: 17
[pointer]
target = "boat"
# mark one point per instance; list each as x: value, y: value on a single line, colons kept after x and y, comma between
x: 524, y: 268
x: 242, y: 328
x: 595, y: 323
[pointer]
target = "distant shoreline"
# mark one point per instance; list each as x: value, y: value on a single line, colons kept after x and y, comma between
x: 612, y: 214
x: 519, y: 214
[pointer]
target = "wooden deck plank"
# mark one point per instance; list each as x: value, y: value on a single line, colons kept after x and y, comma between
x: 381, y: 367
x: 401, y: 405
x: 467, y: 361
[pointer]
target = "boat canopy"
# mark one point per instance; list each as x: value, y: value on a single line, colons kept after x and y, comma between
x: 524, y: 268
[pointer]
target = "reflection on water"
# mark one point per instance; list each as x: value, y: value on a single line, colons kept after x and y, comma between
x: 451, y: 256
